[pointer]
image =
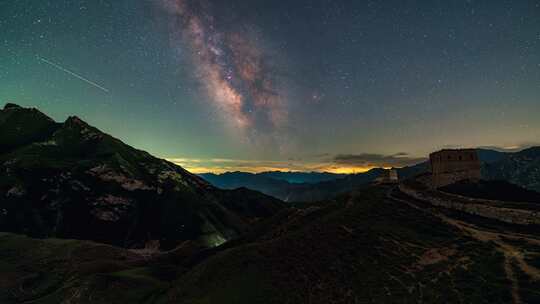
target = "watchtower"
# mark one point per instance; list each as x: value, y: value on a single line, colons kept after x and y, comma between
x: 451, y: 165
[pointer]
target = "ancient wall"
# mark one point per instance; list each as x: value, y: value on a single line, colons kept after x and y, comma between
x: 450, y: 166
x: 484, y: 208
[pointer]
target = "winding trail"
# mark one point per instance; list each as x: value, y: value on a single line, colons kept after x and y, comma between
x: 513, y: 255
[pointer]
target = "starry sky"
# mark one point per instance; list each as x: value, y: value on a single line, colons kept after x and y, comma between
x: 255, y: 85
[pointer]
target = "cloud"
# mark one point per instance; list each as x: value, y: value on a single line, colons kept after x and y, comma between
x: 342, y: 163
x: 511, y: 148
x: 220, y: 165
x: 377, y: 160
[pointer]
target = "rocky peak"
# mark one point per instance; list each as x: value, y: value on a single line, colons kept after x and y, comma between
x: 20, y: 126
x: 75, y: 121
x: 11, y: 106
x: 22, y: 113
x: 79, y: 126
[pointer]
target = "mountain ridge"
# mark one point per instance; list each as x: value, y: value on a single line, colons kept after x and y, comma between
x: 493, y: 165
x: 75, y: 181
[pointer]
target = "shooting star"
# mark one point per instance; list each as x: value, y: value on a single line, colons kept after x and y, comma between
x: 57, y: 66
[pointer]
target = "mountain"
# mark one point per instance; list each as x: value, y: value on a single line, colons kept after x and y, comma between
x: 321, y: 186
x: 489, y: 156
x: 269, y: 179
x: 493, y: 190
x: 520, y: 168
x: 329, y: 189
x: 292, y: 192
x: 71, y: 180
x: 232, y: 180
x: 303, y: 177
x: 411, y: 171
x: 374, y: 245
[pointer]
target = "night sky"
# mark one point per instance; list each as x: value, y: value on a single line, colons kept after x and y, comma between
x: 292, y: 85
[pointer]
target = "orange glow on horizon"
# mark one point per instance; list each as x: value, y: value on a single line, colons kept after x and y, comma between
x: 218, y: 166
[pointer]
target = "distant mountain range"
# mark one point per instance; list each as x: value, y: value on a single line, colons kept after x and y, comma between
x: 302, y: 177
x: 521, y: 168
x: 71, y: 180
x: 289, y: 191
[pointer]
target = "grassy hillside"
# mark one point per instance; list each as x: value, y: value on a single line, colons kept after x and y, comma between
x: 70, y: 180
x: 68, y: 271
x: 362, y: 247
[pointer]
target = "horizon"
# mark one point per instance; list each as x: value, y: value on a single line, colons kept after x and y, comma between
x: 242, y: 86
x: 330, y: 168
x: 331, y: 164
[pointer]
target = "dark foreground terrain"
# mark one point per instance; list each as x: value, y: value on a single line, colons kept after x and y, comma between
x: 372, y: 246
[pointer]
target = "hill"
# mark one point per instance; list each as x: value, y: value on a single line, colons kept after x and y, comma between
x: 71, y: 180
x: 520, y: 168
x: 361, y: 247
x: 232, y: 180
x: 303, y: 177
x: 493, y: 190
x: 375, y: 245
x: 271, y: 178
x: 293, y: 192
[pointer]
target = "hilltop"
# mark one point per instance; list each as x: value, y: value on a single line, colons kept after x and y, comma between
x: 71, y: 180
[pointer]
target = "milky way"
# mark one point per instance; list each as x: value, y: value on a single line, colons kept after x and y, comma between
x: 313, y: 84
x: 231, y: 67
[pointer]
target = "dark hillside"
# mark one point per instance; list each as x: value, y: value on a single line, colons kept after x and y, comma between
x: 71, y: 180
x: 493, y: 190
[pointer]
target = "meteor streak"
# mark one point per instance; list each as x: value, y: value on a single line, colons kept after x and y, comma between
x: 56, y: 66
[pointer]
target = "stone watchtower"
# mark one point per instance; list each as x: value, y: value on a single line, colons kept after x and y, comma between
x: 451, y: 165
x: 389, y: 176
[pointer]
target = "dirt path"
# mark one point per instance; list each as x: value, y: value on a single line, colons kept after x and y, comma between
x: 513, y: 255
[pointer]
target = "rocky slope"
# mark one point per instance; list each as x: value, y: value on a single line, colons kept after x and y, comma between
x: 520, y: 168
x: 71, y: 180
x: 493, y: 190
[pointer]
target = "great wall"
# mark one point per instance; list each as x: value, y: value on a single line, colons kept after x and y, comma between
x: 448, y: 166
